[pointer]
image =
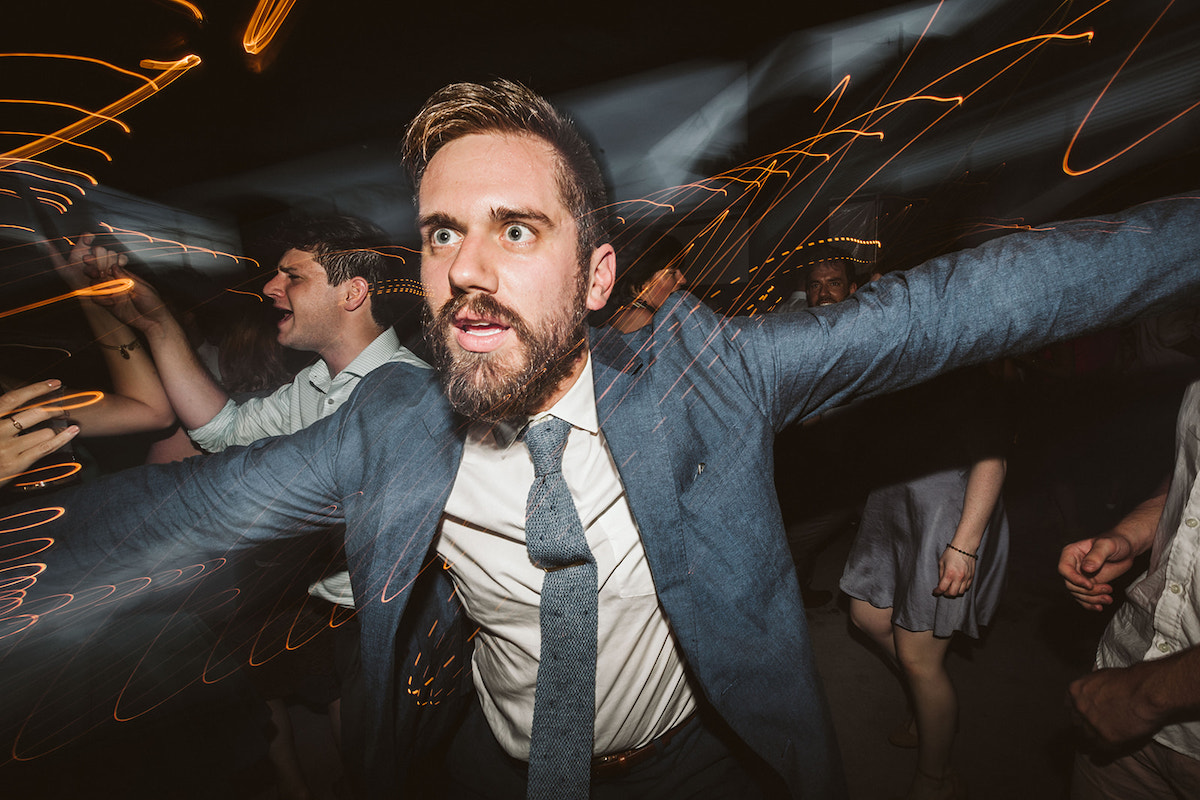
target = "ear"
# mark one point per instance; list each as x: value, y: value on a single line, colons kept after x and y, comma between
x: 853, y: 288
x: 354, y: 293
x: 603, y: 274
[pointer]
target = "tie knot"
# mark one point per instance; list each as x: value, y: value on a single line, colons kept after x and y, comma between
x: 546, y: 441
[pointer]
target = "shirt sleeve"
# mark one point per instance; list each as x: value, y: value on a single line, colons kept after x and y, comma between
x: 246, y: 422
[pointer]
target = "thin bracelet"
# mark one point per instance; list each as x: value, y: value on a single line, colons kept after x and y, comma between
x: 972, y: 556
x: 124, y: 348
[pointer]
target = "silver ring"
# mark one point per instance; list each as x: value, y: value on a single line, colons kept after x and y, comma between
x: 16, y: 424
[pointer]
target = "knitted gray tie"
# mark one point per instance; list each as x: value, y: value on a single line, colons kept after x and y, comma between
x: 564, y: 705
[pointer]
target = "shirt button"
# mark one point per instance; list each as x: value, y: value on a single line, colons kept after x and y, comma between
x: 1191, y: 522
x: 1175, y: 588
x: 1164, y: 647
x: 330, y: 402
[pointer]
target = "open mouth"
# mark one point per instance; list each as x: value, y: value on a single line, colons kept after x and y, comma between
x: 479, y: 334
x: 285, y: 314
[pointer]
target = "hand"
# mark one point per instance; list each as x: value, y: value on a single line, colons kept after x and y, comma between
x: 140, y: 307
x: 1090, y: 565
x: 1109, y: 705
x: 956, y: 572
x: 18, y: 448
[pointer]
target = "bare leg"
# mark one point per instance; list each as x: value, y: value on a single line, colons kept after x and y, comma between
x: 922, y: 658
x: 876, y: 623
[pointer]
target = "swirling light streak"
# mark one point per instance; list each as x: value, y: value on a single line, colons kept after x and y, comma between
x: 89, y: 397
x: 171, y: 243
x: 172, y: 71
x: 115, y: 286
x: 26, y: 134
x: 196, y: 13
x: 70, y: 468
x: 268, y: 16
x: 90, y: 179
x: 1066, y: 166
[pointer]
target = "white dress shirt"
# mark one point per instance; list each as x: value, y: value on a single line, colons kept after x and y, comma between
x: 641, y: 690
x: 1161, y: 614
x: 312, y: 395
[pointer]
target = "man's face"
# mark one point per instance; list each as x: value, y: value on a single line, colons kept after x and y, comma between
x: 827, y: 283
x: 301, y: 290
x: 500, y: 264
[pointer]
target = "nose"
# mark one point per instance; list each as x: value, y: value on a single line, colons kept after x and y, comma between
x: 471, y: 269
x: 274, y: 287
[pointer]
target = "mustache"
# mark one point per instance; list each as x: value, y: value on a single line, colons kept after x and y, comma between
x: 481, y: 305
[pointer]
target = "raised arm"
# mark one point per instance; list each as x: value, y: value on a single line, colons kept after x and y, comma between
x: 138, y: 401
x: 194, y: 394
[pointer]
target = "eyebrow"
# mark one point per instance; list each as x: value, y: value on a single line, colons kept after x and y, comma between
x: 500, y: 214
x: 504, y: 214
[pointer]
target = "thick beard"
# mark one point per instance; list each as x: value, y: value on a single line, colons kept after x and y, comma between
x: 492, y: 387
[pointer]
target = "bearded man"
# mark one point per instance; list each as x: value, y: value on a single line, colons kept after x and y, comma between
x: 605, y: 504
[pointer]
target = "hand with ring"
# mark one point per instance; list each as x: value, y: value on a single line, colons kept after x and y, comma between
x: 20, y: 446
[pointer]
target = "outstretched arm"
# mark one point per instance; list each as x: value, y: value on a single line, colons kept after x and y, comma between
x: 1089, y: 565
x: 956, y: 569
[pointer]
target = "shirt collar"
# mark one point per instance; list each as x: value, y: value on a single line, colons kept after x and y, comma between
x: 577, y: 406
x: 376, y: 354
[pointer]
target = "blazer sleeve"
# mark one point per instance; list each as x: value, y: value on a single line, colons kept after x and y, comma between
x: 1012, y: 295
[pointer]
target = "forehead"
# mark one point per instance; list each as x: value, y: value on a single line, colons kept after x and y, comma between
x: 300, y: 261
x: 481, y: 172
x: 826, y: 270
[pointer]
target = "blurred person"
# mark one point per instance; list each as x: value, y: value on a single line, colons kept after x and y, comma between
x: 817, y: 464
x: 929, y: 559
x: 646, y: 284
x: 325, y: 292
x: 136, y: 403
x: 702, y: 679
x: 1140, y: 709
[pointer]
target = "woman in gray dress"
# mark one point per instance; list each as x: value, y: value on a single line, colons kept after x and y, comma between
x: 930, y: 557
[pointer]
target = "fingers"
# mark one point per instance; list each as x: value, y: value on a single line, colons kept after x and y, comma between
x: 20, y: 397
x: 1070, y: 564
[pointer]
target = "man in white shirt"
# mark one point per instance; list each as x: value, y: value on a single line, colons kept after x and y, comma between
x: 327, y: 288
x: 323, y: 289
x: 1142, y: 704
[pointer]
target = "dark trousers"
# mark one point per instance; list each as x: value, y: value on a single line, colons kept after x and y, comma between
x: 698, y: 762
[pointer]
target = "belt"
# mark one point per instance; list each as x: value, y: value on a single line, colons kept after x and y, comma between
x: 616, y: 765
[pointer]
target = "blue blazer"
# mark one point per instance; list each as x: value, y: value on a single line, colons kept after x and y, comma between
x: 689, y: 406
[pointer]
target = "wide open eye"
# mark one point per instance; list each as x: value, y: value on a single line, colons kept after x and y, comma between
x: 444, y: 236
x: 516, y: 232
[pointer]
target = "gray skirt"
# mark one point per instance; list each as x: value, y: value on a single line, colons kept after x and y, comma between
x: 893, y: 562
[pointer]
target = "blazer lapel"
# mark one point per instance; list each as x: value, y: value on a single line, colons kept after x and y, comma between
x: 632, y: 422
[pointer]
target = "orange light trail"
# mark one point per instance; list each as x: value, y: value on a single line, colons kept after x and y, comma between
x: 70, y: 467
x: 57, y: 403
x: 264, y: 24
x: 171, y: 71
x: 98, y: 290
x: 191, y: 9
x: 187, y: 248
x: 1066, y: 166
x: 71, y: 142
x: 54, y: 512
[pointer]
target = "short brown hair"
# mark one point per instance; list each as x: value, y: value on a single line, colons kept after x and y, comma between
x: 507, y: 107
